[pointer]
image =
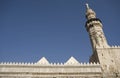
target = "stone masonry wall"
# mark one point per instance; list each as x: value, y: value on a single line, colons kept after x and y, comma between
x: 82, y: 70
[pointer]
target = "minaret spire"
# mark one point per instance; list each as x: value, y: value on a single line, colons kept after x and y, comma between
x: 87, y: 6
x: 89, y: 12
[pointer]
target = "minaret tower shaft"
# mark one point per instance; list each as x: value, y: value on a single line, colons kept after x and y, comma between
x: 107, y: 56
x: 94, y: 28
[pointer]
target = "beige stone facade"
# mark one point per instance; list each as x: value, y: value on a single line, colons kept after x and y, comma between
x: 104, y: 62
x: 18, y: 70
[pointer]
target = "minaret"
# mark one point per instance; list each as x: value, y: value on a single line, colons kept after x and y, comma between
x: 94, y: 28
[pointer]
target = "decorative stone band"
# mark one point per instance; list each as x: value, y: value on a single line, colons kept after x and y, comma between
x: 92, y: 21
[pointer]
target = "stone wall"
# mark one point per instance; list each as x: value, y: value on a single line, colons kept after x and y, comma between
x: 109, y: 59
x: 30, y: 70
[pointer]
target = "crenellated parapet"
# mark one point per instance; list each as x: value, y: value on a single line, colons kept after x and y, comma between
x: 44, y: 62
x: 115, y: 46
x: 16, y: 63
x: 51, y: 64
x: 44, y: 69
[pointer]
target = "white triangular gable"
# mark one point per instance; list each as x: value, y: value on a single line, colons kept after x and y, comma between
x: 43, y: 60
x: 72, y: 61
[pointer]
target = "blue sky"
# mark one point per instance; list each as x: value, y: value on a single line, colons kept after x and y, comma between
x: 55, y: 29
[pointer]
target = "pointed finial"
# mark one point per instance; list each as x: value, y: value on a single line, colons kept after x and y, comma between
x: 87, y: 6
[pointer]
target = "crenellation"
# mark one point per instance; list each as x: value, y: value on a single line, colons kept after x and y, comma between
x: 22, y: 63
x: 88, y: 64
x: 97, y: 63
x: 115, y: 46
x: 94, y: 63
x: 17, y: 63
x: 51, y: 64
x: 112, y: 47
x: 73, y: 69
x: 61, y: 64
x: 29, y: 63
x: 84, y: 64
x: 91, y: 63
x: 1, y: 63
x: 58, y: 64
x: 25, y: 63
x: 54, y: 64
x: 5, y: 63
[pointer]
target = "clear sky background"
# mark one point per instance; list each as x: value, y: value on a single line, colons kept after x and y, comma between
x: 55, y: 29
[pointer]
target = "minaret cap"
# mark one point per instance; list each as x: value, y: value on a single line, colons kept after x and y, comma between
x: 89, y: 12
x: 87, y: 6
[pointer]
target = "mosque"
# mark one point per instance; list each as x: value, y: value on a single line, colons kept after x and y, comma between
x: 103, y: 63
